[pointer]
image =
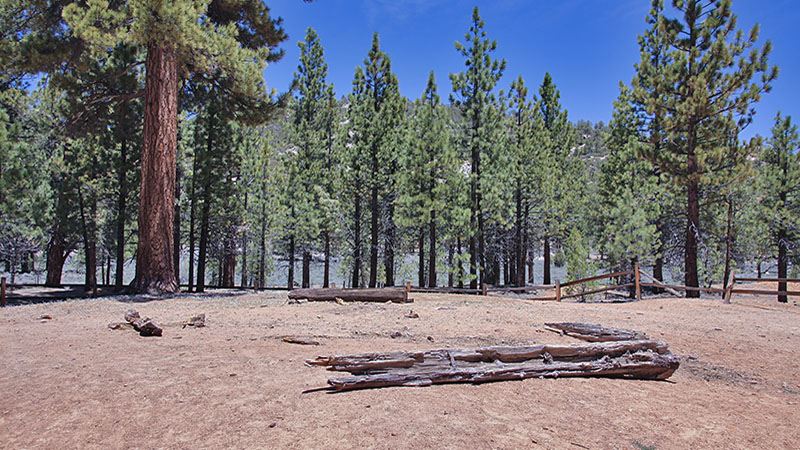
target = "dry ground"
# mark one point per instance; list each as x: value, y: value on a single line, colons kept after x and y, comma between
x: 70, y: 382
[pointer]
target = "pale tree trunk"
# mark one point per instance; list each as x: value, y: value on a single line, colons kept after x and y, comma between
x: 121, y: 213
x: 154, y: 269
x: 432, y: 254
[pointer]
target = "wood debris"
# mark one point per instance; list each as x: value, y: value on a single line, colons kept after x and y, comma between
x: 301, y: 341
x: 636, y: 358
x: 195, y: 321
x: 594, y: 333
x: 395, y: 295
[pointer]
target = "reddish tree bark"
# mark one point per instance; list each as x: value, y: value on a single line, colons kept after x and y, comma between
x: 154, y: 265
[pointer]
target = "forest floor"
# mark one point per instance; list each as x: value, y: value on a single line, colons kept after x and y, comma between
x: 71, y: 382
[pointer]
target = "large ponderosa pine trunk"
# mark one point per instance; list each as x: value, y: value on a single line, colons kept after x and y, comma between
x: 154, y: 265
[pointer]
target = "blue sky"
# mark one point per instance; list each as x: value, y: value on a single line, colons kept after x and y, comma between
x: 588, y: 46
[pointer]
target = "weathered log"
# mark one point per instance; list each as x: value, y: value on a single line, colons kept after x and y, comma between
x: 147, y: 327
x: 643, y: 359
x: 395, y: 295
x: 594, y: 333
x: 301, y: 341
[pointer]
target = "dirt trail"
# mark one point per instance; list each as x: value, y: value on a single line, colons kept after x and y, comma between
x: 70, y: 382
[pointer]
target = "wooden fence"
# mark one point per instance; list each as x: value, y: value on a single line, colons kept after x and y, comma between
x: 637, y: 284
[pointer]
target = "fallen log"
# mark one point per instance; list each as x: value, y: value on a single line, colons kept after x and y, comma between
x: 659, y: 284
x: 594, y: 333
x: 395, y: 295
x: 641, y: 359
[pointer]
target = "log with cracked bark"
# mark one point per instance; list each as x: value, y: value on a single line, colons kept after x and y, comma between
x: 640, y: 359
x: 594, y: 333
x: 395, y: 295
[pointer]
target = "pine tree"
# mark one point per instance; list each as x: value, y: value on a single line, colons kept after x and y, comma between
x: 701, y: 89
x: 474, y: 96
x: 558, y: 185
x: 429, y: 170
x: 375, y: 114
x: 226, y: 42
x: 779, y: 186
x: 310, y: 139
x: 628, y: 190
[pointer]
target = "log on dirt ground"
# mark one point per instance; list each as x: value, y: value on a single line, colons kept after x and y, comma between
x: 594, y: 333
x: 144, y: 326
x: 640, y: 359
x: 395, y: 295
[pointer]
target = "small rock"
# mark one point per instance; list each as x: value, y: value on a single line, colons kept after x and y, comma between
x: 272, y: 425
x: 339, y: 301
x: 412, y: 315
x: 430, y: 338
x: 396, y: 334
x: 231, y: 374
x: 717, y: 329
x: 46, y: 317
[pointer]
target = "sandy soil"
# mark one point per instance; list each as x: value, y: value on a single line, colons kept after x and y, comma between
x: 70, y: 382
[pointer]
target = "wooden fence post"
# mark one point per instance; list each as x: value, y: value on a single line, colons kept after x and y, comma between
x: 333, y: 285
x: 3, y: 292
x: 637, y: 280
x: 726, y: 299
x: 483, y: 289
x: 558, y: 290
x: 408, y: 287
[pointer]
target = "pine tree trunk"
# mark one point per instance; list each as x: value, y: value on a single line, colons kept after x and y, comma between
x: 421, y: 254
x: 89, y: 244
x: 326, y: 270
x: 357, y: 243
x: 546, y: 269
x: 728, y: 243
x: 460, y: 263
x: 262, y: 245
x: 290, y: 279
x: 204, y: 219
x: 658, y: 265
x: 306, y: 269
x: 692, y: 230
x: 244, y: 247
x: 57, y: 251
x: 192, y: 212
x: 373, y: 241
x: 450, y: 252
x: 388, y: 248
x: 519, y: 261
x: 176, y: 227
x: 782, y: 259
x: 154, y: 270
x: 432, y: 255
x: 122, y: 199
x: 229, y: 262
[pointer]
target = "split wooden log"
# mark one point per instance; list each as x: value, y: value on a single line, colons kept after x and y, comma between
x: 641, y: 359
x: 395, y: 295
x: 594, y: 333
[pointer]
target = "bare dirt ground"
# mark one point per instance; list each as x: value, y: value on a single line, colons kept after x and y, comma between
x: 70, y: 382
